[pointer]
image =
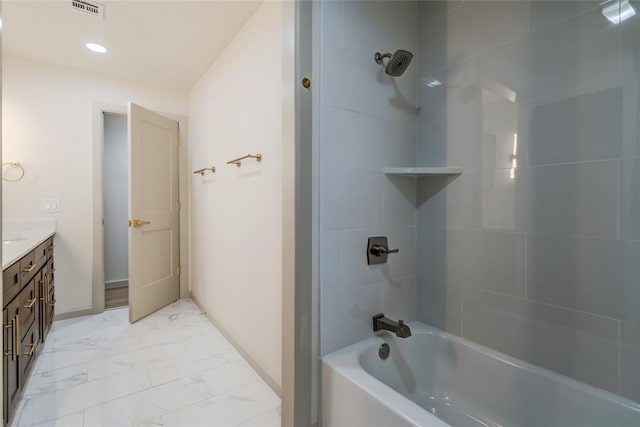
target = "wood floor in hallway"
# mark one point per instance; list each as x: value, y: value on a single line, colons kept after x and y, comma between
x: 172, y: 368
x: 116, y: 296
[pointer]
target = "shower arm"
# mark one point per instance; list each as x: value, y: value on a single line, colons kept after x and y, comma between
x: 380, y: 56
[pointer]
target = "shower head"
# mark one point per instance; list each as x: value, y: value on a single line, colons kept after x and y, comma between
x: 398, y: 62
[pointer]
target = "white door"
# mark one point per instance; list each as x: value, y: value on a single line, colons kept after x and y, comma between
x: 153, y: 212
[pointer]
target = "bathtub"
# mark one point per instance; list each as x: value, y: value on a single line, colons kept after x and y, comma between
x: 434, y: 379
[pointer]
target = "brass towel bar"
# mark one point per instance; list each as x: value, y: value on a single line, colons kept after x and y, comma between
x: 201, y: 171
x: 238, y: 161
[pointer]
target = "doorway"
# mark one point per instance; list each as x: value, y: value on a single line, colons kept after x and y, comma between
x: 115, y: 209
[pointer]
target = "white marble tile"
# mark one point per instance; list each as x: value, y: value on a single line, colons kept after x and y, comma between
x: 229, y: 377
x: 137, y: 359
x: 49, y: 361
x: 49, y: 406
x: 230, y: 409
x: 145, y: 407
x: 269, y: 419
x: 189, y: 364
x: 72, y: 420
x: 57, y: 379
x: 171, y: 368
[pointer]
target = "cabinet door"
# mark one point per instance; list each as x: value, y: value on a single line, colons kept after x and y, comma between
x: 28, y: 350
x: 11, y: 352
x: 47, y: 298
x: 28, y: 305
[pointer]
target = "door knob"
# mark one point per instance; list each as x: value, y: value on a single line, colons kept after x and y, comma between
x: 138, y: 222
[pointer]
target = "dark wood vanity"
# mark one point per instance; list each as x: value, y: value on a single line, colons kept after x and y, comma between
x: 29, y: 302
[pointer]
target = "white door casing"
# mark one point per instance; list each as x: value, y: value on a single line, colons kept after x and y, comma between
x: 153, y: 212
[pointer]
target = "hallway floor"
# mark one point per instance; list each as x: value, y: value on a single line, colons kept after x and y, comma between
x: 172, y: 368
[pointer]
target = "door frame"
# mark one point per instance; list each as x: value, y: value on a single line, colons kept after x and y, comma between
x: 98, y: 111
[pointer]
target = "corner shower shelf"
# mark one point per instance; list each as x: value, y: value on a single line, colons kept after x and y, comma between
x: 422, y: 171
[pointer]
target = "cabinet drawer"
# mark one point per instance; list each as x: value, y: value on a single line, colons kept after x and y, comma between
x: 28, y: 268
x: 11, y: 282
x: 40, y: 254
x: 49, y: 247
x: 28, y: 301
x: 28, y: 350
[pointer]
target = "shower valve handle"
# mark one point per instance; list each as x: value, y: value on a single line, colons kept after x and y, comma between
x: 378, y: 250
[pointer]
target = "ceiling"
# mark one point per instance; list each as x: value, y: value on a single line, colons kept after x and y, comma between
x: 166, y: 43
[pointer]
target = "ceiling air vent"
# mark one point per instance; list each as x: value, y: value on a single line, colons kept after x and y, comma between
x: 88, y: 8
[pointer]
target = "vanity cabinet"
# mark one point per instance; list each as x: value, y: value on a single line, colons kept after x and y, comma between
x: 29, y: 302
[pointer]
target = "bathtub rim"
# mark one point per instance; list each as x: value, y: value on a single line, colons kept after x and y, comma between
x: 347, y: 361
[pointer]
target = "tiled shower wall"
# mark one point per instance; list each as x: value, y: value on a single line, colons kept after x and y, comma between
x: 368, y: 121
x: 535, y: 250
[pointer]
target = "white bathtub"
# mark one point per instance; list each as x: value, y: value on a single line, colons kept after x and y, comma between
x: 436, y: 379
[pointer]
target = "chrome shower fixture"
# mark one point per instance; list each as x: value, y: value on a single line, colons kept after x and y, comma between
x: 398, y: 62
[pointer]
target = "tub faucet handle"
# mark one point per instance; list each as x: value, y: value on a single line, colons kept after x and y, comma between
x: 379, y: 250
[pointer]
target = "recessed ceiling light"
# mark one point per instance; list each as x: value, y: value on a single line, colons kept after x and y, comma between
x: 95, y: 47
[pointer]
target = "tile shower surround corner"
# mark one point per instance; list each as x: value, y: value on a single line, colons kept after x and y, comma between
x: 170, y: 368
x: 539, y: 262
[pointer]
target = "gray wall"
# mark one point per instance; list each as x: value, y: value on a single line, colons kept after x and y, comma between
x: 542, y: 262
x: 115, y: 198
x: 368, y: 121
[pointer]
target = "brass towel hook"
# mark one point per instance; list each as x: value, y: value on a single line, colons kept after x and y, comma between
x: 13, y: 165
x: 238, y: 161
x: 201, y: 171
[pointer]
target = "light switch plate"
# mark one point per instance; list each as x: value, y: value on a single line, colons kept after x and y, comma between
x: 50, y: 205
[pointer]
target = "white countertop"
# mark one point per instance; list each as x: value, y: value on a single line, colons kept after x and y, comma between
x: 21, y: 237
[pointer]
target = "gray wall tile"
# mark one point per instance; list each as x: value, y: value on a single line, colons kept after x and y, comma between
x: 472, y: 259
x: 545, y: 13
x: 399, y: 299
x: 472, y: 28
x: 368, y: 121
x: 578, y: 52
x: 591, y: 275
x: 579, y: 199
x: 629, y: 357
x: 495, y: 199
x: 575, y: 344
x: 581, y: 127
x: 449, y: 142
x: 399, y: 195
x: 439, y: 201
x: 348, y: 318
x: 630, y: 200
x: 440, y: 305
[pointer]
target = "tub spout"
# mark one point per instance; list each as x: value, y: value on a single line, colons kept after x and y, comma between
x: 399, y: 328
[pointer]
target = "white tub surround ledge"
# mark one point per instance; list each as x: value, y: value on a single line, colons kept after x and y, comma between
x: 19, y: 237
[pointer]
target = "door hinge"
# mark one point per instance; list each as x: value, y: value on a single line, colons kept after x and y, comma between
x: 179, y: 270
x: 179, y: 140
x: 179, y: 205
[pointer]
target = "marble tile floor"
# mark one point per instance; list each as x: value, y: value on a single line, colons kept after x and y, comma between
x: 172, y: 368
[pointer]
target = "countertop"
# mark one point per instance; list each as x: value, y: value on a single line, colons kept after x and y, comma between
x: 21, y: 237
